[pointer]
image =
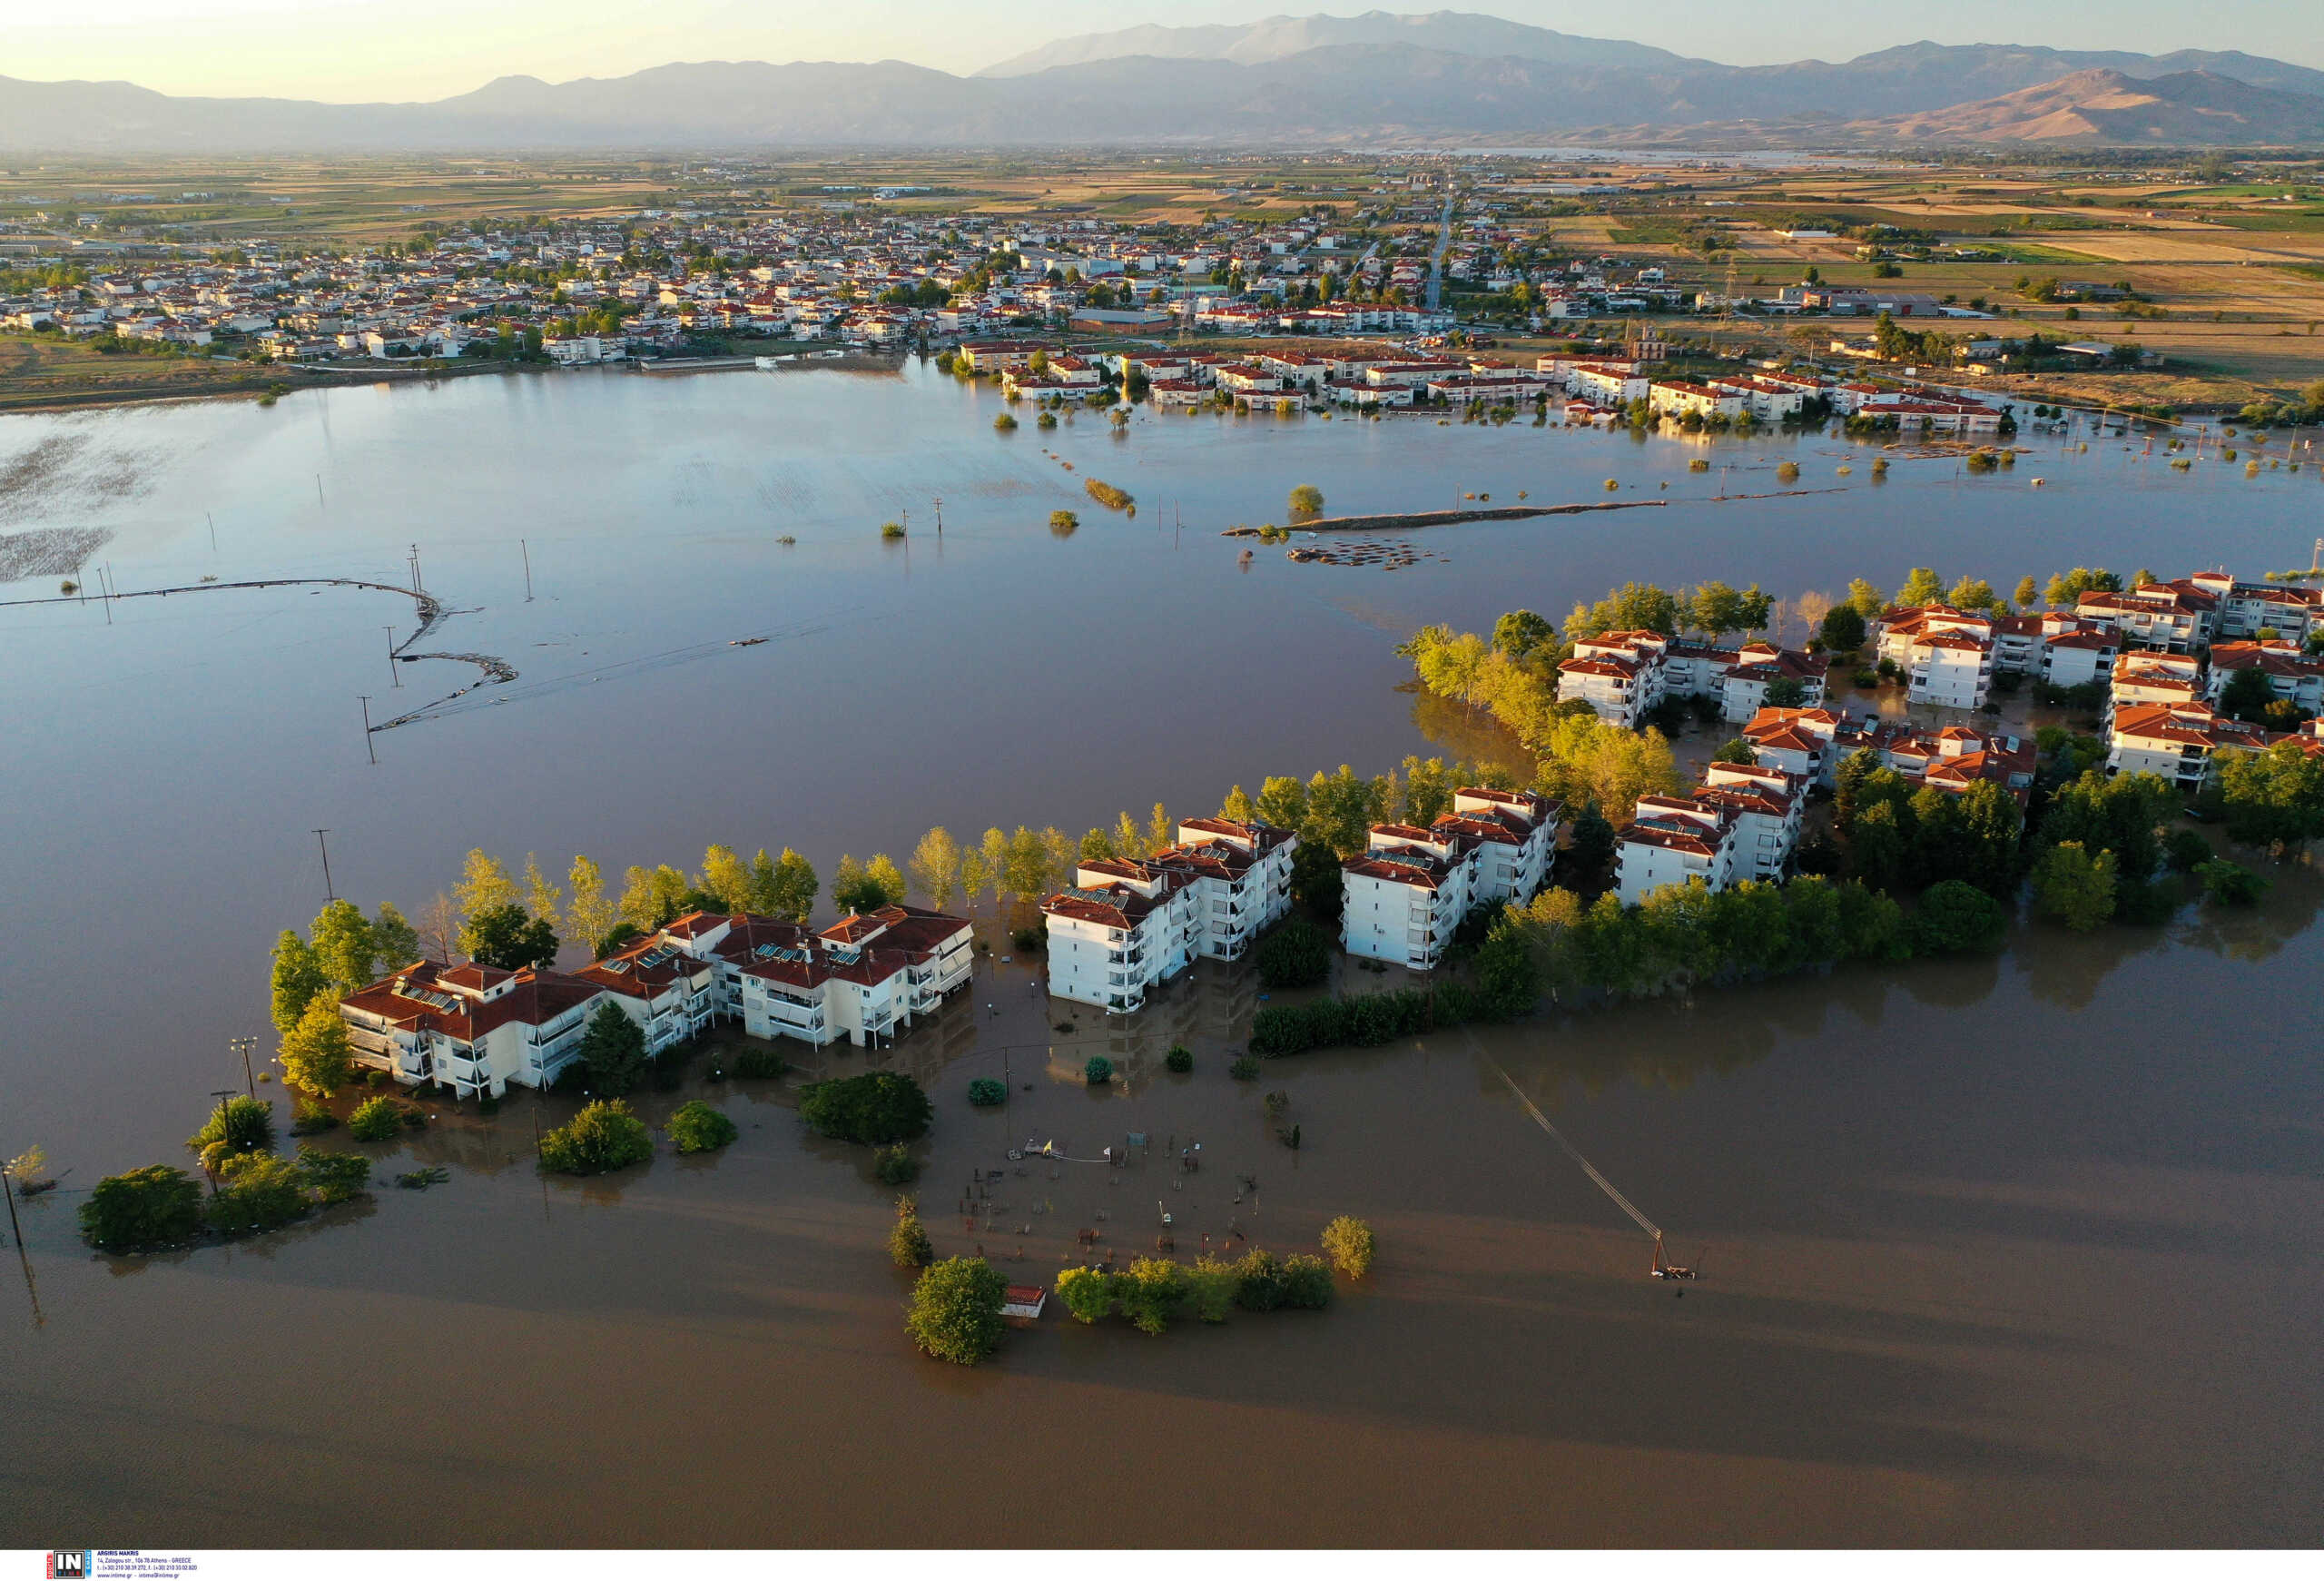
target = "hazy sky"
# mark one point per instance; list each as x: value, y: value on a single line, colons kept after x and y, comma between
x: 422, y: 49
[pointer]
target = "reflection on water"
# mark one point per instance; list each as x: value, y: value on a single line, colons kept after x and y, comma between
x: 2018, y: 1250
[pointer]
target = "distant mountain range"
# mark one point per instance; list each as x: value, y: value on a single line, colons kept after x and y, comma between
x: 1373, y: 80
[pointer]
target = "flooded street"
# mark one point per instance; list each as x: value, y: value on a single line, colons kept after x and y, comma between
x: 2021, y: 1252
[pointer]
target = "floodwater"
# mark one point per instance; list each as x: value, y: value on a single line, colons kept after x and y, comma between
x: 2014, y: 1251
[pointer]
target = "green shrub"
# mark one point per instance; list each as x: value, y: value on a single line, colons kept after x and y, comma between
x: 759, y: 1063
x: 259, y: 1193
x: 1293, y: 954
x: 1348, y: 1242
x: 313, y: 1120
x: 894, y: 1165
x: 332, y: 1177
x: 955, y: 1311
x: 1258, y: 1281
x: 1306, y: 1283
x: 236, y: 1126
x: 1179, y: 1060
x: 1150, y: 1294
x: 154, y: 1206
x: 605, y: 1136
x: 696, y: 1127
x: 908, y: 1242
x: 985, y: 1092
x: 1243, y: 1069
x: 376, y: 1120
x: 1957, y: 918
x: 2186, y: 850
x: 1088, y: 1292
x: 1098, y: 1070
x: 2230, y: 884
x: 876, y: 1107
x: 1210, y: 1289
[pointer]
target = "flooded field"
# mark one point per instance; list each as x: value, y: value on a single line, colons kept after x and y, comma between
x: 2014, y: 1251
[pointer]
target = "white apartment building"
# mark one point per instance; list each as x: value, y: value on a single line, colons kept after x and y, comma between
x: 1404, y: 895
x: 1768, y: 806
x: 1516, y: 834
x: 2182, y: 743
x: 1671, y: 840
x: 2245, y: 608
x: 1617, y: 673
x: 2171, y: 617
x: 1127, y: 923
x: 2293, y: 676
x: 1947, y: 654
x: 1804, y: 743
x: 470, y: 1028
x: 1679, y: 397
x: 866, y: 977
x: 1622, y: 675
x: 2148, y: 677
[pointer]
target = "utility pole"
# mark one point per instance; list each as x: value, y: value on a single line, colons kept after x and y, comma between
x: 939, y: 516
x: 528, y: 568
x: 8, y: 1186
x: 368, y: 751
x: 242, y: 1046
x: 318, y: 489
x: 395, y: 675
x: 214, y: 531
x: 328, y: 895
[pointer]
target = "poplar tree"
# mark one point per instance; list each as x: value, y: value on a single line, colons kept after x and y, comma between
x: 936, y: 866
x: 317, y: 1057
x: 484, y: 884
x: 590, y: 916
x: 298, y: 977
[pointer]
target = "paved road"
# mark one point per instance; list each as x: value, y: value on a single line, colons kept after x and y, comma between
x: 1436, y: 259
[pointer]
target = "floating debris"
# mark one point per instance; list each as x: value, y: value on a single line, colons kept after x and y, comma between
x: 1387, y: 554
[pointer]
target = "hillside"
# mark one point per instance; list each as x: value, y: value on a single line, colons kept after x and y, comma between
x: 2106, y: 107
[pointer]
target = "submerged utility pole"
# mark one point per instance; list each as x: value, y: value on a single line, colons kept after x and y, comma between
x: 368, y: 750
x: 328, y: 895
x: 527, y: 553
x: 395, y: 675
x: 242, y: 1046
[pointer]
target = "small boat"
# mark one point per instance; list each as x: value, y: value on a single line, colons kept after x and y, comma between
x: 744, y: 641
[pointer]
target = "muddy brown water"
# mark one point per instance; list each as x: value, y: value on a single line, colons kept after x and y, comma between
x: 2009, y: 1251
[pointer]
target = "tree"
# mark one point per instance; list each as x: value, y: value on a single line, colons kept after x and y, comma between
x: 653, y: 898
x: 1521, y: 632
x: 397, y: 940
x: 1592, y: 847
x: 727, y: 876
x: 605, y: 1136
x: 1971, y: 593
x: 1296, y: 954
x: 1632, y: 607
x: 317, y: 1057
x: 1922, y: 587
x: 696, y: 1127
x: 875, y: 1109
x: 1349, y: 1243
x: 1878, y: 847
x: 1737, y: 750
x: 2248, y: 696
x: 1428, y: 790
x: 1283, y: 802
x: 154, y: 1206
x: 2074, y: 886
x: 936, y: 866
x: 2272, y: 795
x: 1716, y: 609
x: 955, y: 1311
x: 503, y: 936
x: 613, y: 1050
x: 298, y: 977
x: 344, y: 945
x: 1957, y: 918
x: 589, y: 916
x: 791, y: 894
x: 1843, y: 629
x: 1783, y: 692
x: 258, y: 1192
x: 484, y: 884
x: 1161, y: 831
x: 992, y: 853
x: 1306, y: 500
x: 1026, y: 868
x: 2028, y: 594
x: 1237, y: 807
x: 1865, y: 599
x: 1507, y: 974
x: 908, y: 1242
x: 1316, y: 882
x: 542, y: 898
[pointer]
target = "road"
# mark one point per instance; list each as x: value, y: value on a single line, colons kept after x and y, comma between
x: 1436, y: 259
